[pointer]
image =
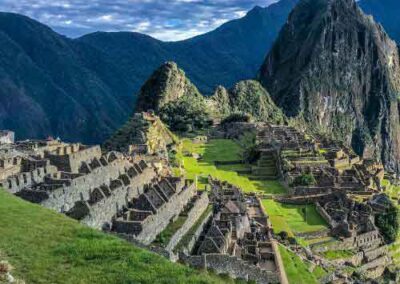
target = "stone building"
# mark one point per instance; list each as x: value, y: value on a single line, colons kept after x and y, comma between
x: 7, y: 137
x: 238, y: 240
x: 149, y: 213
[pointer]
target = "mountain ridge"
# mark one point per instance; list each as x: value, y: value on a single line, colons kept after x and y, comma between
x: 82, y: 90
x: 341, y: 76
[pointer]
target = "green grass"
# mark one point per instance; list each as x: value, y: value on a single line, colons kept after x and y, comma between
x: 221, y: 150
x: 297, y: 270
x: 47, y: 247
x: 392, y: 190
x: 165, y: 236
x: 291, y: 218
x: 188, y: 236
x: 338, y: 254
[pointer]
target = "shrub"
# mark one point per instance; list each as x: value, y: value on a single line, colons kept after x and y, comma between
x: 237, y: 117
x: 304, y: 180
x: 388, y: 223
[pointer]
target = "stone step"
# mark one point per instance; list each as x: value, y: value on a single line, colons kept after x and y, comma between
x: 263, y: 177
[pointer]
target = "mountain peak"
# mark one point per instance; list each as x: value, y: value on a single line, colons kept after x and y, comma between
x: 335, y: 68
x: 167, y: 84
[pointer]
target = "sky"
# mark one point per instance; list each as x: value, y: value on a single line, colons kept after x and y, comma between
x: 168, y: 20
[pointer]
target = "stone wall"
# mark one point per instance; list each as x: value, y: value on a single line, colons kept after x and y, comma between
x: 18, y: 182
x: 70, y: 161
x: 369, y: 240
x: 103, y: 211
x: 236, y: 268
x: 189, y: 247
x: 63, y: 198
x: 155, y: 224
x: 325, y: 215
x: 194, y: 214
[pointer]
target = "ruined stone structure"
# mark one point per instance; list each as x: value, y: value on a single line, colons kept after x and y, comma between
x: 151, y: 211
x: 344, y: 188
x: 237, y: 239
x: 7, y: 137
x: 144, y: 134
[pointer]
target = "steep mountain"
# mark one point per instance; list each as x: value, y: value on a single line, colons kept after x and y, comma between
x: 84, y: 89
x: 336, y: 69
x: 171, y: 95
x: 224, y: 56
x: 385, y: 12
x: 54, y: 86
x: 166, y: 85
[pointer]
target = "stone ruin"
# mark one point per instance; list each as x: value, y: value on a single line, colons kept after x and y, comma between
x: 7, y: 137
x: 237, y: 239
x: 149, y: 214
x: 109, y: 191
x: 338, y: 175
x: 143, y: 134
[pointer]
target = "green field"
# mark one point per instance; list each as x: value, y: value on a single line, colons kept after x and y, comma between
x: 47, y: 247
x: 294, y: 219
x: 338, y: 254
x: 297, y: 271
x: 221, y: 150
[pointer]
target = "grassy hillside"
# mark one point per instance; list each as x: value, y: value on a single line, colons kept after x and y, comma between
x: 46, y: 247
x: 298, y: 271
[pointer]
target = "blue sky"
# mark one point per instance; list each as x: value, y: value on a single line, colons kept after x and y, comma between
x: 163, y: 19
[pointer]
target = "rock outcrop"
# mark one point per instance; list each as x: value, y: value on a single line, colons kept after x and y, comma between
x: 336, y: 69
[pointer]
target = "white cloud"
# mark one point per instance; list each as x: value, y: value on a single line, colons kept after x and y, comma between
x: 166, y: 20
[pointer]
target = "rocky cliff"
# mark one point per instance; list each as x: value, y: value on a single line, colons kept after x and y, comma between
x: 336, y: 69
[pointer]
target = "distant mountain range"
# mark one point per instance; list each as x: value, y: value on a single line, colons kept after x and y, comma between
x: 84, y: 89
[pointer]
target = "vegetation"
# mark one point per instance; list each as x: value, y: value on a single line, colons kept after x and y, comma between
x: 297, y: 270
x: 165, y: 236
x: 237, y: 117
x: 251, y: 98
x: 221, y: 150
x: 338, y: 254
x: 293, y: 219
x: 249, y: 144
x: 388, y: 223
x: 188, y: 236
x: 187, y: 114
x: 304, y: 180
x: 46, y: 247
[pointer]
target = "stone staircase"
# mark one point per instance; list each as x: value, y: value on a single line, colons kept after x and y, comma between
x: 265, y: 168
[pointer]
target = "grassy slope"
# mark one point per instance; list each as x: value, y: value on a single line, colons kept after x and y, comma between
x: 297, y: 270
x: 46, y: 247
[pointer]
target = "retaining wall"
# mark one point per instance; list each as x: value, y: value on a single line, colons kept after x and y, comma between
x: 194, y: 214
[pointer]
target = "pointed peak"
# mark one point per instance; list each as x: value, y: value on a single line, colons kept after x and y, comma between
x: 168, y: 83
